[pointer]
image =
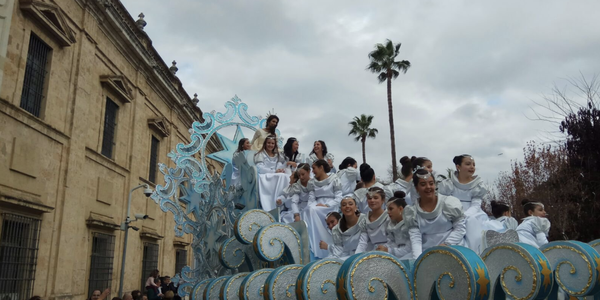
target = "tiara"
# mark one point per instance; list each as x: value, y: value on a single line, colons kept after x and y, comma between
x: 371, y: 194
x: 271, y: 137
x: 417, y: 168
x: 536, y: 203
x: 271, y: 113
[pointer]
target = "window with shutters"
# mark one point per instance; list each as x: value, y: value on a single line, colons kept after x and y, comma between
x: 36, y: 69
x: 110, y: 126
x: 154, y: 146
x: 180, y: 260
x: 149, y: 261
x: 19, y: 240
x: 101, y: 266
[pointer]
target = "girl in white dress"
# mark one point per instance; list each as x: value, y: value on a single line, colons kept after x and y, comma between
x: 404, y: 183
x: 293, y: 157
x: 434, y: 219
x: 367, y: 175
x: 272, y: 178
x: 374, y: 234
x: 502, y: 220
x: 470, y: 190
x: 534, y: 228
x: 332, y: 219
x: 261, y: 134
x: 320, y: 152
x: 284, y: 201
x: 398, y: 240
x: 243, y: 144
x: 346, y: 234
x: 300, y: 192
x: 348, y: 175
x: 325, y: 195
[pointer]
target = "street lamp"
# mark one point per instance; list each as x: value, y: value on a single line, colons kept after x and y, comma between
x: 125, y: 227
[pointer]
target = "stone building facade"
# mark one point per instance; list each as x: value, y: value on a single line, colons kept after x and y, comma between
x: 87, y: 110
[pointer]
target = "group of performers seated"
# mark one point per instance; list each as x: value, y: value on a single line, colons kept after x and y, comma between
x: 347, y: 211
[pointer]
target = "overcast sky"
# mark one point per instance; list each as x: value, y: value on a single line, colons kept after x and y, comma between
x: 476, y: 67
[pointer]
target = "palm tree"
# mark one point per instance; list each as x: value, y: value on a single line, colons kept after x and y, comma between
x: 383, y: 62
x: 361, y: 128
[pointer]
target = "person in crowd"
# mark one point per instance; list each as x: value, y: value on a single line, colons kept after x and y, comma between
x: 367, y: 175
x: 150, y: 280
x: 272, y: 179
x: 374, y: 231
x: 284, y: 201
x: 502, y: 220
x: 261, y: 134
x: 127, y: 296
x: 398, y: 240
x: 333, y: 218
x: 535, y: 227
x: 300, y: 192
x: 168, y: 285
x: 346, y: 234
x: 153, y: 291
x: 292, y: 156
x: 320, y: 152
x: 325, y: 195
x: 470, y: 190
x: 137, y: 294
x: 434, y: 219
x: 403, y: 183
x: 116, y: 298
x: 243, y: 144
x: 169, y: 295
x: 348, y: 175
x: 35, y: 298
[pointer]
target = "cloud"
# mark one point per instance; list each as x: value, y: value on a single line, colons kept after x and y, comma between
x: 476, y: 67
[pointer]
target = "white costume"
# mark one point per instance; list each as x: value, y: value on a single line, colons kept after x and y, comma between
x: 259, y: 138
x: 471, y: 196
x: 328, y: 192
x: 270, y: 184
x: 444, y: 225
x: 360, y: 196
x: 501, y: 224
x: 285, y: 213
x: 398, y: 240
x: 400, y: 185
x: 345, y: 243
x: 348, y: 176
x: 299, y: 194
x: 297, y: 158
x: 235, y: 174
x: 373, y: 233
x: 534, y: 231
x: 310, y: 160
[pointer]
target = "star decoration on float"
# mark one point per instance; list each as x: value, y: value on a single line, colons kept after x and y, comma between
x: 341, y: 290
x: 191, y: 198
x: 597, y: 259
x: 546, y: 272
x: 482, y: 281
x: 229, y: 147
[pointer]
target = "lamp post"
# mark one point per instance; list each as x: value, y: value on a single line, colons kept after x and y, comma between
x: 125, y: 226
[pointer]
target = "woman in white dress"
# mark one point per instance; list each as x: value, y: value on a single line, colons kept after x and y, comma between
x: 284, y: 201
x: 348, y: 175
x: 404, y: 183
x: 325, y: 195
x: 398, y: 240
x: 346, y: 234
x: 272, y: 178
x: 434, y: 219
x: 300, y: 192
x: 374, y: 232
x: 320, y: 152
x: 292, y: 156
x: 502, y: 220
x: 470, y: 190
x: 535, y: 227
x: 243, y: 144
x: 367, y: 175
x: 261, y: 134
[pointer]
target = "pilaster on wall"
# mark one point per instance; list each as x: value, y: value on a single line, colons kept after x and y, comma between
x: 6, y: 12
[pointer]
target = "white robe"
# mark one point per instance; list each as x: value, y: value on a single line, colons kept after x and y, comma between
x: 398, y: 240
x: 299, y: 196
x: 501, y: 224
x: 444, y: 225
x: 300, y: 158
x: 373, y: 233
x: 310, y: 160
x: 328, y: 192
x: 348, y: 178
x: 285, y: 212
x: 345, y: 243
x: 235, y: 174
x: 360, y: 196
x: 471, y: 196
x: 400, y: 185
x: 534, y: 231
x: 270, y: 184
x: 260, y: 135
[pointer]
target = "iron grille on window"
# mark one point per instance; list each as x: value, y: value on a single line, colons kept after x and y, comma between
x: 110, y: 125
x: 153, y: 159
x: 35, y: 75
x: 180, y: 260
x: 149, y: 261
x: 18, y: 255
x: 101, y: 266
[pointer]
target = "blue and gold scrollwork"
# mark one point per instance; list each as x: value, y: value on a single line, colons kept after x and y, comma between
x: 212, y: 290
x: 275, y: 240
x: 252, y: 286
x: 248, y: 224
x: 235, y: 255
x: 374, y: 275
x: 454, y: 272
x: 230, y: 289
x: 317, y: 280
x: 281, y: 283
x: 576, y: 267
x: 198, y: 290
x: 519, y: 271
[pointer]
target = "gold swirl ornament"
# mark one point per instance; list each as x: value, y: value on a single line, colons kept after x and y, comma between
x: 576, y: 267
